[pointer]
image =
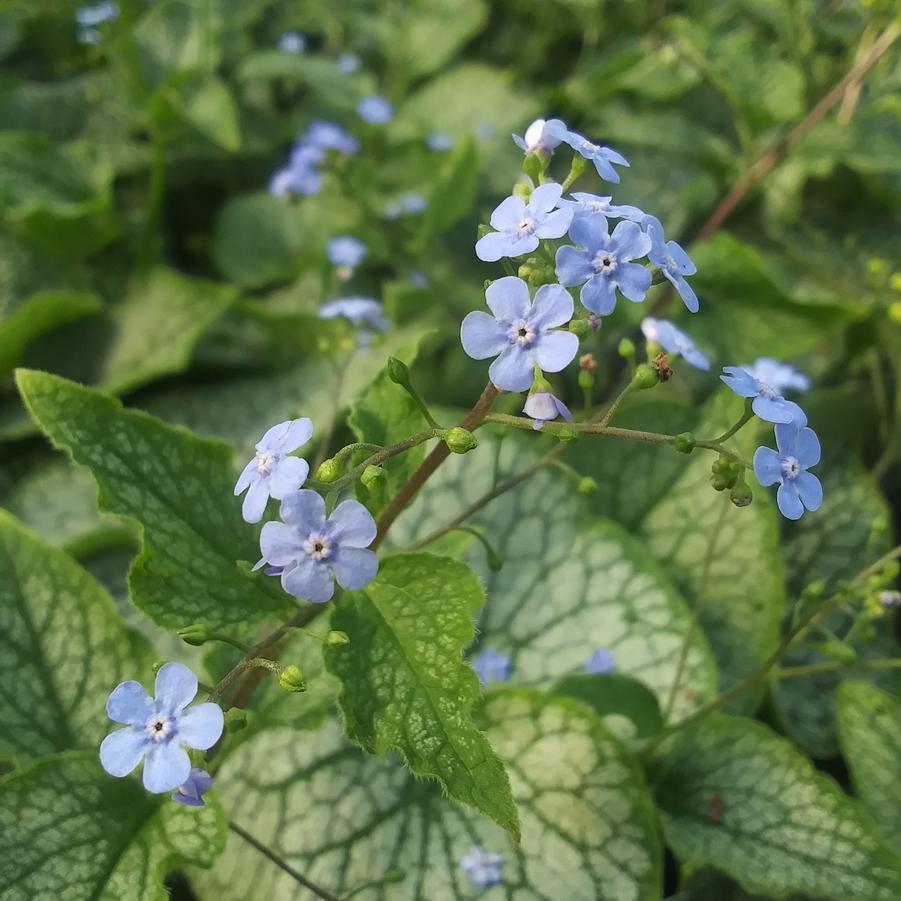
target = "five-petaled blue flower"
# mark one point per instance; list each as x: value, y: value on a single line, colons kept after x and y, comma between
x: 672, y: 261
x: 798, y: 450
x: 519, y: 225
x: 584, y: 204
x: 543, y: 406
x: 345, y: 250
x: 375, y: 110
x: 191, y: 791
x: 600, y: 662
x: 674, y: 341
x: 158, y: 729
x: 768, y: 403
x: 779, y: 376
x: 272, y: 472
x: 325, y: 135
x: 542, y: 136
x: 603, y: 262
x: 363, y: 312
x: 491, y: 666
x: 482, y: 867
x: 311, y: 551
x: 292, y: 42
x: 519, y: 332
x: 602, y: 157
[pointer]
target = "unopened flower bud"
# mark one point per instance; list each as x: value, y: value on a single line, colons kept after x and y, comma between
x: 587, y: 485
x: 194, y: 635
x: 567, y: 434
x: 684, y: 442
x: 460, y: 440
x: 525, y: 270
x: 586, y: 379
x: 495, y: 560
x: 398, y: 371
x: 337, y: 639
x: 291, y: 678
x: 741, y: 495
x: 372, y: 476
x: 542, y: 275
x: 626, y: 349
x: 235, y: 719
x: 521, y: 189
x: 329, y: 471
x: 645, y: 376
x: 580, y: 328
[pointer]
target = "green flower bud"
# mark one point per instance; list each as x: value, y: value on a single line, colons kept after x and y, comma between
x: 719, y: 482
x: 684, y: 443
x: 460, y: 440
x: 567, y: 434
x: 526, y: 269
x: 645, y: 376
x: 626, y: 349
x: 813, y: 591
x: 741, y: 495
x: 291, y: 678
x: 587, y: 485
x: 372, y: 476
x: 586, y: 379
x: 494, y: 559
x: 195, y: 635
x: 580, y: 328
x: 533, y: 165
x: 521, y: 189
x: 398, y: 371
x: 236, y: 719
x: 541, y: 276
x: 337, y: 639
x: 329, y: 471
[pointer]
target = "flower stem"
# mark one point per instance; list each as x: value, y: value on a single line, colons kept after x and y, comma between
x: 836, y: 666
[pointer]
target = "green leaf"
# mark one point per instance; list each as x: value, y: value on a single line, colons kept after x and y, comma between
x: 62, y: 648
x: 734, y: 795
x: 454, y: 193
x: 342, y: 819
x: 405, y: 684
x: 331, y: 87
x: 570, y: 583
x: 68, y: 830
x: 207, y: 104
x: 869, y: 728
x: 179, y: 488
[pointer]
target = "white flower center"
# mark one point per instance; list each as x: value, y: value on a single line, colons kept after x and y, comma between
x: 791, y: 468
x: 317, y: 546
x: 670, y: 265
x: 526, y: 227
x: 597, y: 206
x: 521, y: 333
x: 158, y: 727
x: 604, y: 262
x: 586, y: 148
x: 266, y: 461
x: 766, y: 390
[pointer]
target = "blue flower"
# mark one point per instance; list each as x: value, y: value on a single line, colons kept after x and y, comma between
x: 158, y: 729
x: 542, y: 136
x: 361, y: 311
x: 799, y: 449
x: 674, y: 341
x: 375, y: 110
x: 519, y: 225
x: 347, y: 63
x: 779, y: 376
x: 292, y: 42
x: 768, y: 403
x: 313, y: 550
x: 482, y: 867
x: 491, y: 666
x: 519, y: 332
x: 325, y: 135
x: 439, y: 141
x: 587, y: 204
x: 407, y: 204
x: 300, y: 176
x: 272, y: 472
x: 543, y: 406
x: 603, y: 263
x: 672, y: 261
x: 89, y: 17
x: 345, y: 250
x: 191, y: 792
x: 600, y: 662
x: 602, y: 157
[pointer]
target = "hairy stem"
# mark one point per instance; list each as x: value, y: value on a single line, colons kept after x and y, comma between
x: 837, y: 666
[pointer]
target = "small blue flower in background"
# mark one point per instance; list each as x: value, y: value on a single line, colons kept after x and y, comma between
x: 158, y: 729
x: 361, y: 311
x: 542, y: 136
x: 272, y: 472
x: 325, y: 135
x: 409, y: 204
x: 485, y: 131
x: 348, y: 63
x: 292, y: 42
x: 768, y: 403
x: 491, y: 666
x: 313, y: 550
x: 672, y: 261
x: 419, y: 279
x: 375, y: 110
x: 600, y: 662
x: 191, y: 792
x: 543, y: 406
x: 602, y: 157
x: 89, y: 17
x: 345, y: 250
x: 779, y: 376
x: 603, y: 262
x: 519, y: 225
x: 519, y: 332
x: 482, y: 867
x: 585, y: 204
x: 439, y: 141
x: 674, y: 341
x: 798, y: 450
x: 300, y: 176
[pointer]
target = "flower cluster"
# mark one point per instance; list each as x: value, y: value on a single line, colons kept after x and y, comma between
x: 302, y: 174
x: 89, y: 18
x: 493, y: 666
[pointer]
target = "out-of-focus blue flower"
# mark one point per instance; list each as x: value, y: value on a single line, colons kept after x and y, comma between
x: 674, y: 341
x: 779, y: 376
x: 347, y: 63
x: 419, y: 279
x: 600, y: 662
x: 325, y: 135
x: 798, y: 450
x: 585, y: 204
x: 361, y: 311
x: 768, y: 403
x: 672, y: 261
x: 300, y: 176
x: 88, y: 18
x: 191, y: 792
x: 314, y: 550
x: 519, y: 332
x: 485, y: 131
x: 439, y: 141
x: 376, y: 110
x: 482, y: 867
x: 491, y: 666
x: 158, y: 729
x: 409, y: 204
x: 345, y: 250
x: 542, y: 136
x: 603, y: 262
x: 602, y: 157
x: 292, y: 42
x: 273, y: 472
x: 519, y: 225
x: 543, y: 406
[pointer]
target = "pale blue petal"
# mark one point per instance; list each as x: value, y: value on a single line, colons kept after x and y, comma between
x: 808, y: 448
x: 121, y: 751
x: 167, y: 766
x: 574, y: 266
x: 555, y: 351
x: 654, y: 230
x: 590, y: 232
x: 508, y: 213
x: 276, y: 436
x: 633, y: 279
x: 772, y: 409
x: 740, y: 381
x: 696, y: 358
x: 598, y: 295
x: 281, y: 544
x: 310, y: 580
x: 516, y: 246
x: 788, y: 501
x: 767, y: 466
x: 287, y: 477
x: 249, y: 474
x: 354, y: 567
x: 512, y: 370
x: 175, y: 687
x: 352, y: 525
x: 686, y: 292
x: 809, y: 490
x: 491, y: 247
x: 305, y: 510
x: 508, y: 298
x: 201, y: 726
x: 541, y: 405
x: 553, y: 306
x: 629, y: 242
x: 129, y: 703
x: 482, y: 335
x: 255, y: 500
x: 555, y: 225
x: 681, y: 258
x: 544, y: 199
x: 787, y: 437
x: 799, y: 417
